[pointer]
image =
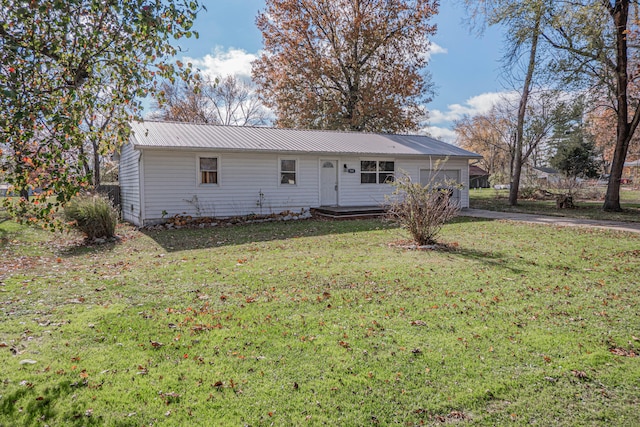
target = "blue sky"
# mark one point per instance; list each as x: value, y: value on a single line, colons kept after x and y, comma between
x: 464, y: 68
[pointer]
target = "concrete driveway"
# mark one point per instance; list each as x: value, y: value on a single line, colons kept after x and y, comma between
x: 552, y: 220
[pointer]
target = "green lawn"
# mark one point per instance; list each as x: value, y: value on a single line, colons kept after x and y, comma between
x: 497, y: 200
x: 320, y: 323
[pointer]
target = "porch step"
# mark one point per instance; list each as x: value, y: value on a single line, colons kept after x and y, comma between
x: 349, y: 212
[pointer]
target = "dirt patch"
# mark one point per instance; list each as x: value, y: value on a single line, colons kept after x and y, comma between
x: 410, y: 245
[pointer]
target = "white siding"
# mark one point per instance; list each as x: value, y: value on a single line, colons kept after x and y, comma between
x: 248, y: 183
x: 353, y: 193
x: 171, y: 185
x: 129, y: 177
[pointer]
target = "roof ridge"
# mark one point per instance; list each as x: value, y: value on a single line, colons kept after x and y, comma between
x: 288, y: 129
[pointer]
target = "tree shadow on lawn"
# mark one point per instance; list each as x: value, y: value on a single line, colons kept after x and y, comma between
x: 185, y: 239
x: 489, y: 258
x: 39, y: 408
x: 213, y: 237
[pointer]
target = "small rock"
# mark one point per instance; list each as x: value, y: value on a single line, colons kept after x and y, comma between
x: 28, y: 362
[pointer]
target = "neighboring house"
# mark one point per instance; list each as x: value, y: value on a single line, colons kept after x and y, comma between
x: 223, y: 171
x: 543, y: 175
x: 478, y: 177
x: 631, y: 172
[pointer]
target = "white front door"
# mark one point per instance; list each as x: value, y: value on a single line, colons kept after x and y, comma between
x: 328, y: 182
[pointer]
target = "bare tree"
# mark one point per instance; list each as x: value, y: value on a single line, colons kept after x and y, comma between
x: 489, y: 135
x: 597, y: 45
x: 235, y: 103
x: 230, y: 101
x: 524, y: 24
x: 182, y: 102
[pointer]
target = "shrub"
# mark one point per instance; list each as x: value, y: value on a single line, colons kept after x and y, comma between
x: 528, y: 192
x: 421, y: 209
x: 93, y: 215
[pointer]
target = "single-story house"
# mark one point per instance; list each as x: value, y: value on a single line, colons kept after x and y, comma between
x: 543, y: 175
x: 478, y: 177
x: 225, y: 171
x: 631, y: 172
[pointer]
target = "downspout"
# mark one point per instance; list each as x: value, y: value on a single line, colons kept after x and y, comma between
x: 141, y: 189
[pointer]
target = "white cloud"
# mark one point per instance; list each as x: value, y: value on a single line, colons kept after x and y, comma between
x: 479, y: 104
x: 435, y: 49
x: 224, y: 62
x: 442, y: 134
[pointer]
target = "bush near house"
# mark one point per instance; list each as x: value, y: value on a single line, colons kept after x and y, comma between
x: 421, y: 209
x: 93, y: 215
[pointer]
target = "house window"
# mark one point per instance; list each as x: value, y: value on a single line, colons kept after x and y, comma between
x: 287, y: 171
x: 208, y: 170
x: 376, y: 172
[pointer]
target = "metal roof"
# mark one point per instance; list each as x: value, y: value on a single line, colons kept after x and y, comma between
x: 171, y: 135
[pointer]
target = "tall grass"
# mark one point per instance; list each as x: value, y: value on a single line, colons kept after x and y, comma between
x: 93, y: 215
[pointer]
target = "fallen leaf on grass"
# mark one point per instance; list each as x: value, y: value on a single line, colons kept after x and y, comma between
x: 579, y: 374
x: 453, y: 416
x: 618, y: 351
x: 418, y: 323
x: 169, y: 397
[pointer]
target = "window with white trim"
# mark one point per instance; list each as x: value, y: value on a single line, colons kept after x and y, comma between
x: 208, y: 170
x: 376, y: 171
x: 288, y: 173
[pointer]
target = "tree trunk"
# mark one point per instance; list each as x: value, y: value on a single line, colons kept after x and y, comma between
x: 619, y: 13
x: 522, y: 111
x: 515, y: 181
x: 96, y: 164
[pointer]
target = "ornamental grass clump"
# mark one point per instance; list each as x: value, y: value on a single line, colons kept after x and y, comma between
x: 93, y: 215
x: 421, y: 209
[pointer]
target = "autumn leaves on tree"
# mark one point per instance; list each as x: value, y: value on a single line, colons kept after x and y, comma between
x: 346, y: 64
x: 580, y: 48
x: 74, y: 73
